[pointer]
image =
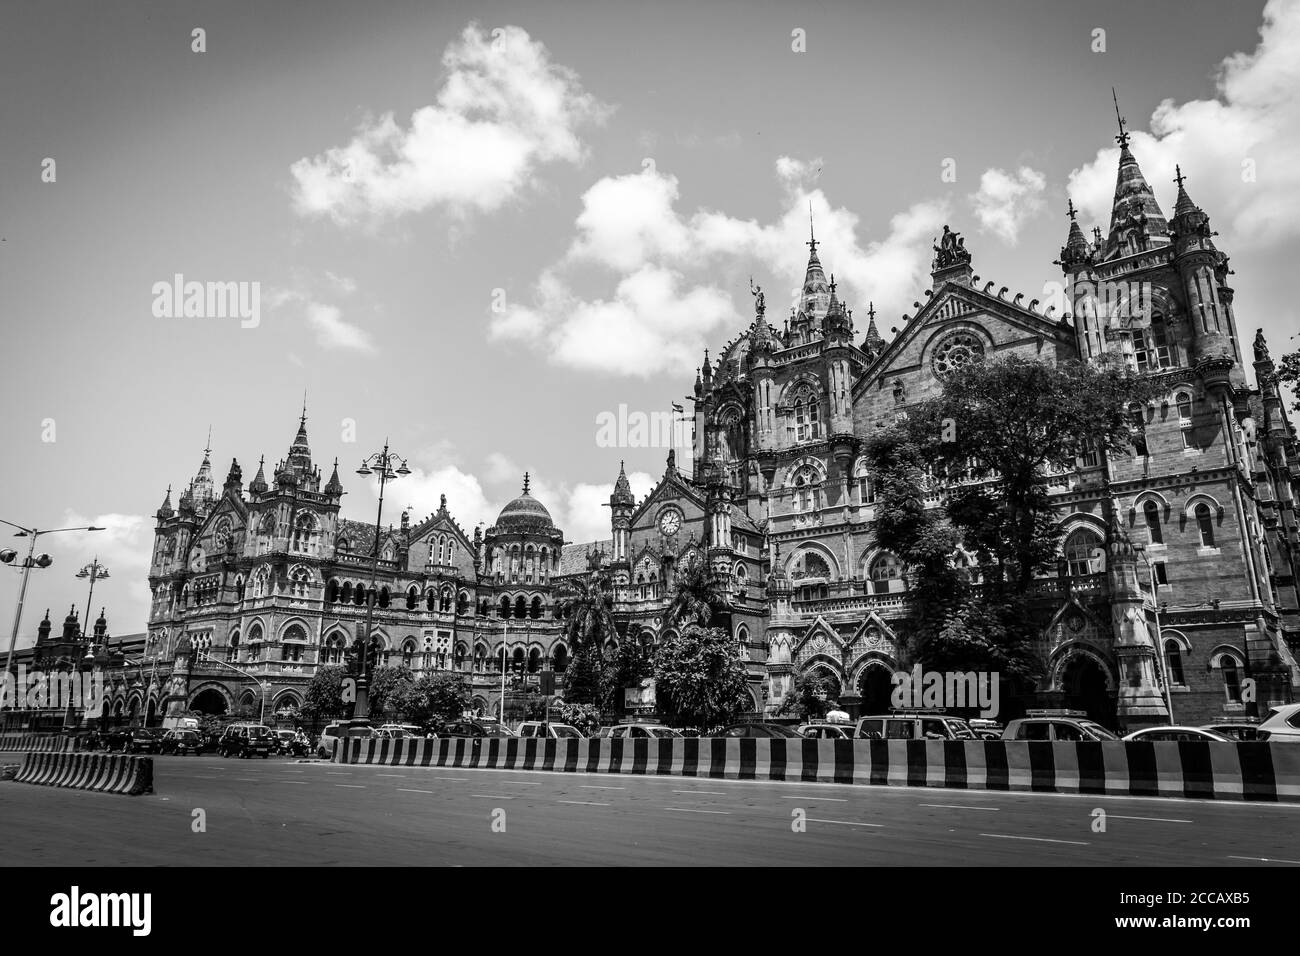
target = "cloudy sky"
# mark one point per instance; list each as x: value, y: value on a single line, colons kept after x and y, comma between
x: 476, y: 227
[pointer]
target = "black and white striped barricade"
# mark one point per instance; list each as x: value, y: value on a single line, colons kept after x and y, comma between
x: 103, y: 773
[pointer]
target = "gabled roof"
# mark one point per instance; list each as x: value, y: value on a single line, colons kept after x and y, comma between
x: 951, y: 302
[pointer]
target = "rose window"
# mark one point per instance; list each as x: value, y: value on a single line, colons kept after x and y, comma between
x: 955, y: 353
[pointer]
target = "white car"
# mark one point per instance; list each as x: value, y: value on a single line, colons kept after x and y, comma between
x: 538, y: 728
x: 1281, y: 725
x: 1176, y: 733
x: 332, y: 734
x: 826, y: 730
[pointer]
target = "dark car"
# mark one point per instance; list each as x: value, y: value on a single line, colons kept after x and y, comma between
x: 143, y: 741
x: 114, y: 740
x: 182, y: 742
x: 475, y: 728
x: 246, y: 740
x: 760, y: 729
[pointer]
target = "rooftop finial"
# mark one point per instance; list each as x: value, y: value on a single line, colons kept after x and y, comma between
x: 303, y: 420
x: 871, y: 311
x: 812, y: 236
x: 526, y: 482
x: 207, y: 450
x: 1122, y: 138
x: 1070, y: 210
x: 1179, y: 177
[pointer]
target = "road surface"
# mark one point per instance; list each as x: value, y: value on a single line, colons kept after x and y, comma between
x: 281, y: 812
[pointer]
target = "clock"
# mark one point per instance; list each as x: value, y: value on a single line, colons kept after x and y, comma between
x: 670, y: 521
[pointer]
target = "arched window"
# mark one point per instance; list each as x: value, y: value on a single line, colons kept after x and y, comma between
x: 458, y: 655
x: 332, y: 591
x: 345, y: 595
x: 865, y: 486
x: 480, y: 658
x: 232, y: 651
x: 430, y: 599
x: 384, y: 597
x: 304, y: 533
x: 1151, y: 513
x: 887, y: 574
x: 505, y: 607
x: 807, y: 490
x: 444, y: 600
x: 483, y: 608
x: 1231, y: 679
x: 1174, y: 655
x: 1205, y: 524
x: 517, y: 660
x: 1184, y: 401
x: 535, y: 609
x: 534, y: 661
x: 560, y: 658
x: 412, y: 598
x: 462, y: 602
x: 807, y: 414
x: 333, y: 650
x: 408, y: 653
x: 1079, y: 548
x: 521, y: 607
x: 359, y: 596
x: 742, y: 635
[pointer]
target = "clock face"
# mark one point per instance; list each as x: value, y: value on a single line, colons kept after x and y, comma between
x: 670, y: 521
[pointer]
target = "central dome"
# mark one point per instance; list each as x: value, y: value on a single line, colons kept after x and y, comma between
x: 525, y: 512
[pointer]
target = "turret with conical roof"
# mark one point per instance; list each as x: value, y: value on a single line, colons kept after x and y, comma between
x: 621, y: 505
x: 1209, y: 301
x: 165, y: 510
x: 334, y: 487
x: 874, y: 343
x: 1137, y: 222
x: 258, y: 485
x: 296, y: 470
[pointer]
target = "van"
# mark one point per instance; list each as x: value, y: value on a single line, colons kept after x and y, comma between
x: 904, y: 725
x: 538, y: 728
x: 245, y: 740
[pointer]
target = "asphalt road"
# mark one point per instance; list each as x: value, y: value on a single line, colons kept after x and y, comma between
x: 280, y: 812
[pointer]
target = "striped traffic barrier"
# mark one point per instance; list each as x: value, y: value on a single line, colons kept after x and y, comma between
x: 104, y: 773
x: 21, y: 743
x: 1252, y: 770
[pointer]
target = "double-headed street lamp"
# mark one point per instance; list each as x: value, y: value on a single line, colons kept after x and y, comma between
x: 382, y: 463
x: 8, y: 556
x: 95, y: 572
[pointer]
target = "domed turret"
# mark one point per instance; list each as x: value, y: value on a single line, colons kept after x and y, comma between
x: 524, y: 513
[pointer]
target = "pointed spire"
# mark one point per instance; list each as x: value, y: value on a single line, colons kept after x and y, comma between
x: 258, y: 485
x: 815, y: 294
x: 874, y: 341
x: 622, y: 488
x: 1184, y: 204
x: 1136, y: 219
x: 165, y: 511
x: 1075, y: 251
x: 234, y: 477
x: 333, y: 487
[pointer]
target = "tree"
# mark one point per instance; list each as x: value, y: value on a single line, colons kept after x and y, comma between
x: 323, y: 697
x: 986, y: 446
x: 700, y: 678
x: 432, y: 698
x: 626, y: 667
x: 586, y: 606
x: 1288, y: 374
x: 385, y: 681
x: 813, y: 695
x: 697, y: 595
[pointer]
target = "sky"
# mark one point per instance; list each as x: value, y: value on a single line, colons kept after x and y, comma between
x: 478, y: 230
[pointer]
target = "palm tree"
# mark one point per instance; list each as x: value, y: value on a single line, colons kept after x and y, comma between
x: 586, y: 606
x: 697, y: 595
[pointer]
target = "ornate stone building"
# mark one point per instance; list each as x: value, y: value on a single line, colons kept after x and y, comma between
x: 1197, y: 525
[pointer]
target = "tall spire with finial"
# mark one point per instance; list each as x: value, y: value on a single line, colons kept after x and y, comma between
x: 1075, y: 250
x: 1136, y: 219
x: 526, y: 481
x: 874, y: 342
x: 814, y: 298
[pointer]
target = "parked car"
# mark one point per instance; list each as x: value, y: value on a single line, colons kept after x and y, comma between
x: 476, y: 728
x: 1281, y: 725
x: 986, y: 729
x: 246, y: 740
x: 920, y: 725
x: 639, y: 730
x: 1235, y: 729
x: 143, y: 741
x: 759, y: 729
x: 826, y: 731
x: 1065, y: 725
x: 542, y: 728
x: 333, y: 733
x: 181, y: 742
x: 1176, y: 733
x: 398, y: 731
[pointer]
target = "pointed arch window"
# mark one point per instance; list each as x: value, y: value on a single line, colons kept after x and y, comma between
x: 1205, y: 525
x: 1151, y: 514
x: 1174, y: 655
x: 807, y: 490
x: 1079, y: 559
x: 886, y: 574
x: 1231, y: 679
x: 806, y: 424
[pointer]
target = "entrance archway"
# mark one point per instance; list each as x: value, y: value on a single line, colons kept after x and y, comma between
x: 1087, y: 688
x: 875, y: 686
x: 211, y: 702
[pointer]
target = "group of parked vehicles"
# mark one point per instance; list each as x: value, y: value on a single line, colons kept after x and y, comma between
x: 248, y: 740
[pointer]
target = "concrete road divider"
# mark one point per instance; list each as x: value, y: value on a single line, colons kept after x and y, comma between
x: 19, y: 743
x: 1200, y: 769
x: 106, y: 773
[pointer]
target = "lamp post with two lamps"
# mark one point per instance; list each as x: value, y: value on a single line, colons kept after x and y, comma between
x: 95, y: 572
x: 33, y: 560
x: 381, y: 462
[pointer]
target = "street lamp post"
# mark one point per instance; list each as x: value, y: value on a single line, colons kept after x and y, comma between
x: 381, y: 462
x: 95, y: 572
x: 38, y: 561
x: 261, y: 684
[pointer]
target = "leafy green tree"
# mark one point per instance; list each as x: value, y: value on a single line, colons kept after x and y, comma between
x: 385, y: 682
x: 1288, y: 374
x: 700, y: 678
x: 813, y: 695
x: 583, y: 716
x: 323, y: 697
x: 987, y: 444
x: 626, y: 667
x: 586, y: 607
x: 433, y: 698
x: 697, y: 595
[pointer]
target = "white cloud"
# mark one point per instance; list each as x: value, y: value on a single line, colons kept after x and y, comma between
x: 331, y: 330
x: 1005, y: 201
x: 504, y: 108
x: 1252, y: 124
x: 662, y: 310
